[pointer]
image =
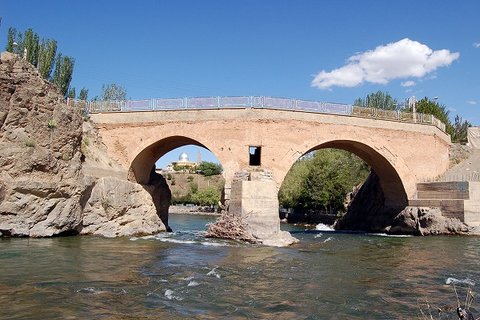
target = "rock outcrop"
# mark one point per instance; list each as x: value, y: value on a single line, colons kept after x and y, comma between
x: 366, y: 212
x: 426, y: 221
x: 119, y: 208
x: 40, y: 158
x: 51, y: 181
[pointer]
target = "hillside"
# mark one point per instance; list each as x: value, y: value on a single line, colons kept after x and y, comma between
x: 181, y: 184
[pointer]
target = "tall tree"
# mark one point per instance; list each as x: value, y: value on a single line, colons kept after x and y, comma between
x: 440, y: 112
x: 83, y: 95
x: 46, y: 57
x: 62, y: 76
x: 379, y: 99
x: 31, y: 46
x: 11, y: 35
x: 111, y: 92
x: 460, y: 129
x: 71, y: 93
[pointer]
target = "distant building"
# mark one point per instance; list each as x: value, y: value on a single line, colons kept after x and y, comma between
x: 182, y: 162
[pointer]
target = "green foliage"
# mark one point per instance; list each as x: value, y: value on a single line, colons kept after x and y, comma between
x: 42, y: 55
x: 30, y: 143
x: 111, y: 92
x: 11, y: 34
x: 379, y: 99
x: 193, y: 187
x: 62, y: 76
x: 71, y: 93
x: 209, y: 196
x: 322, y: 181
x: 46, y: 57
x: 209, y: 168
x: 189, y: 178
x: 83, y: 95
x: 460, y: 129
x: 183, y: 168
x: 440, y: 112
x: 52, y: 124
x: 31, y: 46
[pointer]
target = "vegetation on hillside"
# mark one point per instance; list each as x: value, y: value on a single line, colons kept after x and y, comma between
x: 195, y: 189
x: 42, y: 53
x: 321, y: 181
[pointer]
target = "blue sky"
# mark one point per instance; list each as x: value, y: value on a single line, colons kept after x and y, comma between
x: 320, y: 50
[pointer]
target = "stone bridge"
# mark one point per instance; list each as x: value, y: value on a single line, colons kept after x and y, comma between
x: 401, y: 150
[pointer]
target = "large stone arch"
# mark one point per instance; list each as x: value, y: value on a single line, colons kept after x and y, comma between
x: 394, y: 175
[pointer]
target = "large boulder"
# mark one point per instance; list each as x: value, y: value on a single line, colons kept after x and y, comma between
x: 426, y: 221
x: 119, y: 208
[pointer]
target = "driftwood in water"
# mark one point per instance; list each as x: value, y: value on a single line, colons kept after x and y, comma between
x: 229, y: 226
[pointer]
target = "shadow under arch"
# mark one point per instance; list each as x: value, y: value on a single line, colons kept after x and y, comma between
x: 395, y: 196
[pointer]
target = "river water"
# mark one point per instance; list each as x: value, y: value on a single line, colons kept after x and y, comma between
x: 184, y: 276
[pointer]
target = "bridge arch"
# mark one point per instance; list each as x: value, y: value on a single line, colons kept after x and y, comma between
x: 393, y: 177
x: 144, y: 160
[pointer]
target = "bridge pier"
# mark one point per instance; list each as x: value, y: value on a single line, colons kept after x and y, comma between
x: 254, y: 198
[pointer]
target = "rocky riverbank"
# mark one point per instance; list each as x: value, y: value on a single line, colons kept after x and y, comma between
x: 366, y: 212
x: 54, y: 177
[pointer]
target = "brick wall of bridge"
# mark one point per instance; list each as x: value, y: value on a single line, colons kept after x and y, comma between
x: 401, y: 153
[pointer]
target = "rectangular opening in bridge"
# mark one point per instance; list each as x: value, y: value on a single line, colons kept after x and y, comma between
x: 255, y: 155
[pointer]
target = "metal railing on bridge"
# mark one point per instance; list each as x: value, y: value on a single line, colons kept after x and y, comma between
x: 198, y: 103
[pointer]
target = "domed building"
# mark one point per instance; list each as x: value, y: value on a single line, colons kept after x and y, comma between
x: 183, y: 164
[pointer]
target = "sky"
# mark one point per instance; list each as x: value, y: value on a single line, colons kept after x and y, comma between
x: 333, y: 51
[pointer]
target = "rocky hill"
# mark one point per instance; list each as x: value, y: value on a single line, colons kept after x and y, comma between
x: 48, y: 186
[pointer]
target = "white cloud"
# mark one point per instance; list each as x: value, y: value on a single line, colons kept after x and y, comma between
x: 476, y: 44
x: 472, y: 102
x: 408, y: 83
x: 402, y: 59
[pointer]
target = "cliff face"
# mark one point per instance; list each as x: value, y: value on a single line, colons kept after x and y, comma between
x: 46, y: 186
x: 40, y: 158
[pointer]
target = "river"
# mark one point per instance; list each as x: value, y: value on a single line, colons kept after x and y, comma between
x: 181, y: 275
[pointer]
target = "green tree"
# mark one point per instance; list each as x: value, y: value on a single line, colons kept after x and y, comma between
x: 71, y: 93
x: 440, y: 112
x: 322, y: 181
x: 291, y: 189
x: 460, y: 129
x: 11, y: 35
x: 209, y: 168
x: 46, y: 57
x: 31, y: 46
x: 111, y: 92
x: 209, y: 196
x: 379, y: 99
x: 62, y: 76
x: 83, y: 95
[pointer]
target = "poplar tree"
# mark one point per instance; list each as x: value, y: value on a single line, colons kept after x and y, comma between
x: 379, y: 99
x: 12, y: 32
x: 62, y: 76
x: 71, y: 93
x: 83, y: 95
x: 46, y: 57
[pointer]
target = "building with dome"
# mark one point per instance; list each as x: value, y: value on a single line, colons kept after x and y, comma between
x: 183, y: 164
